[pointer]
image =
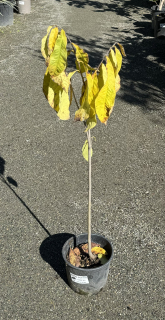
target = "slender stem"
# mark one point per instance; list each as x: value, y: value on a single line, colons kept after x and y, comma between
x: 74, y: 95
x: 89, y: 201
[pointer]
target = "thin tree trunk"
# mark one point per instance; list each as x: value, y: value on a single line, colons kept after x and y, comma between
x: 161, y: 4
x: 90, y: 189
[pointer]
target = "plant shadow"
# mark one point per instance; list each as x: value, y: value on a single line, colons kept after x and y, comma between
x: 51, y: 252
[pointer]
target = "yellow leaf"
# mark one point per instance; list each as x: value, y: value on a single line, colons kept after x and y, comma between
x: 117, y: 83
x: 64, y: 113
x: 91, y: 121
x: 81, y: 55
x: 106, y: 97
x: 52, y: 39
x: 51, y: 91
x: 44, y: 46
x: 90, y: 87
x: 122, y: 50
x: 82, y: 99
x: 112, y: 57
x: 46, y: 83
x: 57, y: 92
x: 85, y: 150
x: 81, y: 115
x: 62, y: 80
x: 82, y: 59
x: 102, y: 77
x: 54, y: 91
x: 81, y: 67
x: 58, y: 57
x: 119, y: 61
x: 99, y: 250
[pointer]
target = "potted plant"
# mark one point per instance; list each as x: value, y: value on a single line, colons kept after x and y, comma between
x: 87, y: 256
x: 158, y: 18
x: 6, y: 12
x: 24, y: 6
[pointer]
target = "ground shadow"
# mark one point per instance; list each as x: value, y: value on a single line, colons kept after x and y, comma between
x: 122, y: 8
x: 51, y: 252
x: 51, y: 247
x: 10, y: 180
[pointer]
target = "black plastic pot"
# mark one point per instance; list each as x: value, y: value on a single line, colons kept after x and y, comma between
x: 6, y: 14
x: 158, y: 21
x: 87, y: 281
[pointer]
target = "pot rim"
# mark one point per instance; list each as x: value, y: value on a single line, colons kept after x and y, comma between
x: 88, y: 269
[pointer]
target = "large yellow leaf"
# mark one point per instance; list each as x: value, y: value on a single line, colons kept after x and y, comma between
x: 52, y: 39
x: 46, y: 83
x: 82, y: 59
x: 85, y: 150
x: 51, y: 91
x: 105, y: 100
x: 58, y: 57
x: 81, y: 55
x: 64, y: 113
x: 54, y: 92
x: 112, y: 57
x: 90, y: 87
x: 62, y: 80
x: 119, y: 61
x: 91, y: 121
x: 102, y: 77
x: 44, y: 45
x: 82, y: 99
x: 117, y: 83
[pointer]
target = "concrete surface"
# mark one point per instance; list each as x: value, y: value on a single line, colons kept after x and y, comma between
x: 44, y: 179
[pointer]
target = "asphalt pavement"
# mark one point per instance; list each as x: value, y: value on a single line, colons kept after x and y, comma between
x: 44, y: 178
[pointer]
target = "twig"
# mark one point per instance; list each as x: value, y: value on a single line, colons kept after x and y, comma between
x: 74, y: 95
x: 105, y: 56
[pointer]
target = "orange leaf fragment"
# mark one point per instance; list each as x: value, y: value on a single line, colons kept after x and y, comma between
x: 73, y: 258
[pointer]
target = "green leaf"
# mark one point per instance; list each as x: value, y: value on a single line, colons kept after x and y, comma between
x: 103, y: 258
x: 58, y: 57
